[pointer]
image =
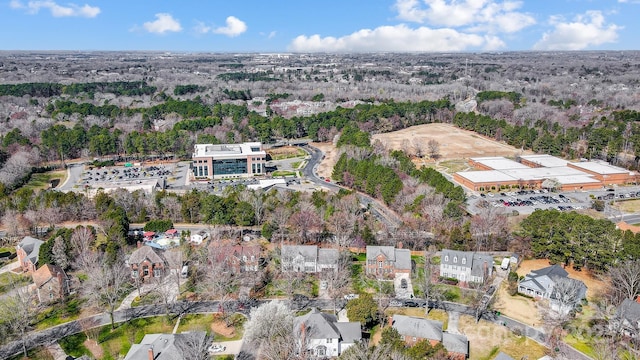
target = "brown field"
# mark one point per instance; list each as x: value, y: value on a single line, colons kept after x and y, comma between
x: 455, y: 144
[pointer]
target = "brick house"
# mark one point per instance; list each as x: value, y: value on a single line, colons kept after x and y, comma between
x: 237, y: 258
x: 386, y: 261
x: 51, y: 283
x: 147, y: 263
x: 27, y: 252
x: 414, y: 329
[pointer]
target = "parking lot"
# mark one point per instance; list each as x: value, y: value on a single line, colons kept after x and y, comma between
x: 527, y: 201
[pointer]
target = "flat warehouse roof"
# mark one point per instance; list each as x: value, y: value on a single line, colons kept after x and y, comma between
x: 543, y: 172
x: 575, y: 179
x: 486, y: 176
x: 600, y: 168
x: 499, y: 163
x: 545, y: 160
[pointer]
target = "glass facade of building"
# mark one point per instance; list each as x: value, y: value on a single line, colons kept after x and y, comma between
x: 230, y: 167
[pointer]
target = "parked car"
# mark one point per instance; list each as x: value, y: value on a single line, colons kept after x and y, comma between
x: 410, y: 303
x: 323, y: 285
x: 403, y: 283
x: 396, y: 303
x: 216, y: 348
x: 351, y: 296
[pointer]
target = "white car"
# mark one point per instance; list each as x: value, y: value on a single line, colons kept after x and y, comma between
x: 395, y: 303
x: 351, y: 296
x: 216, y: 348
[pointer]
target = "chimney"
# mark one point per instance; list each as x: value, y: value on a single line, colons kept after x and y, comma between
x: 150, y: 352
x: 390, y: 320
x: 399, y: 245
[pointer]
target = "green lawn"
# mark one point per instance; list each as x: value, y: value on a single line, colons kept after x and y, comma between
x: 283, y: 173
x: 41, y: 181
x: 59, y: 313
x: 8, y: 280
x: 359, y: 256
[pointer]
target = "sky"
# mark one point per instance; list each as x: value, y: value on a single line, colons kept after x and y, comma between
x: 343, y: 26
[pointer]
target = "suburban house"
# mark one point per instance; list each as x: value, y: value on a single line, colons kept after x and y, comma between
x: 322, y: 334
x: 415, y: 329
x: 147, y: 263
x: 237, y: 258
x: 181, y: 346
x: 540, y: 284
x: 386, y: 261
x: 466, y: 266
x: 51, y: 283
x: 27, y: 252
x: 627, y: 319
x: 308, y: 258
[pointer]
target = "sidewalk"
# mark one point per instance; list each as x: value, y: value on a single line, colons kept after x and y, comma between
x: 168, y: 284
x: 10, y: 267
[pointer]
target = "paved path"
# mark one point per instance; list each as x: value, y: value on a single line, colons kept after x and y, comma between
x: 10, y: 267
x: 169, y: 285
x: 56, y: 351
x: 452, y: 326
x: 231, y: 347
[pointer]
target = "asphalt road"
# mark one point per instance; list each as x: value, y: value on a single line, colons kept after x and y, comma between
x: 51, y: 335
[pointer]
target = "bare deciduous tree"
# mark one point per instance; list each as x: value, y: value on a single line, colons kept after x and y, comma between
x: 17, y: 312
x: 270, y: 330
x: 625, y: 281
x: 433, y: 147
x: 60, y: 252
x: 106, y: 283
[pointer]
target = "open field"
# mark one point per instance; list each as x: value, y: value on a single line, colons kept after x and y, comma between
x: 487, y: 339
x: 455, y: 143
x: 517, y: 307
x: 455, y: 146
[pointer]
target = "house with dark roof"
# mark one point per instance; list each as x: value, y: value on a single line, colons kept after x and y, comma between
x: 166, y: 346
x: 627, y: 318
x: 323, y: 336
x: 466, y: 266
x: 541, y: 284
x: 387, y: 261
x: 27, y: 252
x: 51, y: 283
x: 147, y: 263
x: 308, y: 258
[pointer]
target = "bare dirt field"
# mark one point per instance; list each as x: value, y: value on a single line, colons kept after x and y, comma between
x: 517, y: 307
x: 455, y: 144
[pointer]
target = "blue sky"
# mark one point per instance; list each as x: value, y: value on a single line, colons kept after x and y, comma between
x: 324, y: 26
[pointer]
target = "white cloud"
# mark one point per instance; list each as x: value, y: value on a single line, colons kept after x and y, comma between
x: 71, y: 10
x: 164, y: 23
x: 629, y: 1
x: 201, y: 28
x: 399, y: 38
x: 478, y: 15
x: 234, y: 27
x: 272, y: 35
x: 588, y: 29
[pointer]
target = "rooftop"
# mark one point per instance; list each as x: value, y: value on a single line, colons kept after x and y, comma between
x: 228, y: 150
x: 545, y: 160
x: 499, y: 163
x: 599, y: 167
x: 484, y: 176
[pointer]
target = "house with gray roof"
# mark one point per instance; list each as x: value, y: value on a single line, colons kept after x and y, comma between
x: 308, y: 258
x: 457, y: 346
x: 147, y: 263
x: 503, y: 356
x: 322, y: 334
x: 386, y: 261
x: 466, y: 266
x: 414, y: 329
x: 168, y: 346
x: 627, y: 319
x: 27, y: 252
x: 541, y: 284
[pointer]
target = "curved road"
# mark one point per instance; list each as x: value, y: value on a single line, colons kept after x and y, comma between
x: 377, y: 208
x: 51, y: 335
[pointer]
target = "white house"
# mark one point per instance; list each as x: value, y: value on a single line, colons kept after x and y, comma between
x: 466, y: 266
x: 308, y: 258
x: 322, y: 334
x: 541, y: 284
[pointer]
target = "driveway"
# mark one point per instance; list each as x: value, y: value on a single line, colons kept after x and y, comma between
x: 397, y: 286
x: 10, y: 267
x: 232, y: 347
